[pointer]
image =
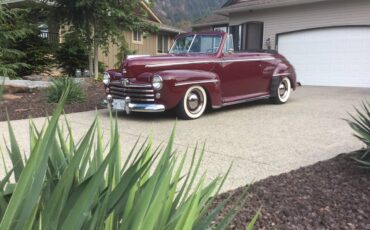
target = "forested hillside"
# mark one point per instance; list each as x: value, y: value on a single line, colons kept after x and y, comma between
x: 183, y: 12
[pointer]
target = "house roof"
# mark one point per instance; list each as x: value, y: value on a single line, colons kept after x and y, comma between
x: 167, y: 28
x: 152, y: 15
x: 212, y: 20
x: 233, y: 6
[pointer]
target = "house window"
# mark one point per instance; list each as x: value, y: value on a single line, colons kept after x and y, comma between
x: 236, y: 31
x: 162, y: 46
x: 221, y: 28
x: 137, y: 36
x: 252, y: 36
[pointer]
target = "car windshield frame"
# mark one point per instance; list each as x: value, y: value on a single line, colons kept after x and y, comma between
x: 187, y: 49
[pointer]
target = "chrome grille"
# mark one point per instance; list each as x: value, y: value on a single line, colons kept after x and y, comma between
x: 136, y: 92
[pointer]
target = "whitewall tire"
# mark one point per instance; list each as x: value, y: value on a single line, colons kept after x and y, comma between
x: 193, y: 104
x: 283, y: 91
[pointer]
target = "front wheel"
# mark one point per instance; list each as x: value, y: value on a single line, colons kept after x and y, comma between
x: 193, y: 104
x: 283, y: 91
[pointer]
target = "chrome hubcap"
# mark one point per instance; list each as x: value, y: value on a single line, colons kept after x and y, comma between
x: 283, y: 89
x: 195, y: 101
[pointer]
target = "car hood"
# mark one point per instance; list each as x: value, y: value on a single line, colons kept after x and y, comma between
x: 138, y: 65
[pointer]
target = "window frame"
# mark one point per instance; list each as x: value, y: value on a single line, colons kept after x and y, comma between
x: 163, y: 43
x: 137, y: 32
x: 245, y: 34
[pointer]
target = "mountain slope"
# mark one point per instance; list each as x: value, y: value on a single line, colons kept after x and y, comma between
x: 183, y: 12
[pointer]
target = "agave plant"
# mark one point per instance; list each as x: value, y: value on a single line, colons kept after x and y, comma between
x: 83, y: 185
x: 361, y: 125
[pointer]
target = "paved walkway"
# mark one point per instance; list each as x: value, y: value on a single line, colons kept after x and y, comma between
x: 260, y: 138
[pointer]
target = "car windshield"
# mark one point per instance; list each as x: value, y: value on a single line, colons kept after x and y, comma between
x: 199, y: 44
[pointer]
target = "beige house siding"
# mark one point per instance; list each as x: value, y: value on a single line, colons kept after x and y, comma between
x: 323, y: 14
x: 148, y: 46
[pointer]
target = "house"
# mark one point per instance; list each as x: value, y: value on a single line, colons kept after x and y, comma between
x: 144, y: 43
x: 140, y: 43
x: 328, y: 41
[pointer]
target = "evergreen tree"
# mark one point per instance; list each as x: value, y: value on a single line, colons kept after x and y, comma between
x: 12, y: 28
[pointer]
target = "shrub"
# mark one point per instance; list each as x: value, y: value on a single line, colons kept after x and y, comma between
x: 361, y: 125
x: 72, y: 54
x: 64, y: 185
x: 60, y: 84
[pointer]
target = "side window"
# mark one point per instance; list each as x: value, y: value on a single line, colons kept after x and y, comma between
x: 229, y: 45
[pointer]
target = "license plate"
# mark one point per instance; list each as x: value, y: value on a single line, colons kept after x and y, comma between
x: 119, y: 104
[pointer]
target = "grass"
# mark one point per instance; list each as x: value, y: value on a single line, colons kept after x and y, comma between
x: 65, y: 184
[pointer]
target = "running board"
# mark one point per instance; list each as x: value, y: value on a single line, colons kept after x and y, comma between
x: 243, y: 101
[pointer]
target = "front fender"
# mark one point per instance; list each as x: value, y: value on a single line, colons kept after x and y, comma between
x: 176, y: 82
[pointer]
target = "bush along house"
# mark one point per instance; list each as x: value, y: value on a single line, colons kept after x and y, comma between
x: 328, y: 41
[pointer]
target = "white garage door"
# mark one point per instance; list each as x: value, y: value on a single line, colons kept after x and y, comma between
x: 329, y: 57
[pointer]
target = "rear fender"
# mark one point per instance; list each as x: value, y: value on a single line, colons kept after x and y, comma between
x: 285, y: 70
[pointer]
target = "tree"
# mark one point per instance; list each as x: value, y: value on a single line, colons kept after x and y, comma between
x: 102, y: 22
x: 12, y: 28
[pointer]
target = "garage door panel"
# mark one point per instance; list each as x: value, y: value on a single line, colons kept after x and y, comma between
x: 329, y: 57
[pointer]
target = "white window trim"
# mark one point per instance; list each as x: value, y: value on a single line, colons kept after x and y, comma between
x: 137, y: 42
x: 168, y: 44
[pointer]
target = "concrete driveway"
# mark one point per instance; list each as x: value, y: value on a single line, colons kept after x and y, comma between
x: 260, y: 138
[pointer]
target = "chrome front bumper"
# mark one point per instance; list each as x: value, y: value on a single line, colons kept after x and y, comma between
x: 135, y: 107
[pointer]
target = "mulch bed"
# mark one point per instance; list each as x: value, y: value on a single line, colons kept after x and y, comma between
x: 26, y: 105
x: 334, y: 194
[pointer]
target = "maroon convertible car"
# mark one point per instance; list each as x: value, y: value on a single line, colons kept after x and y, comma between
x: 200, y: 70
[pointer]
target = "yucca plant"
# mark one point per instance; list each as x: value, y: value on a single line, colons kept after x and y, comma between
x: 361, y: 125
x: 60, y: 85
x: 64, y: 185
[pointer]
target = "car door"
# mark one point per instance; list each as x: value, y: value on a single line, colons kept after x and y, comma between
x: 241, y: 76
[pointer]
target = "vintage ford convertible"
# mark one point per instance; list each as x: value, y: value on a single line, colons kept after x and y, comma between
x: 200, y: 70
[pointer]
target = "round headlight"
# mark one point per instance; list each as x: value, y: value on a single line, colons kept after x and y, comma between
x: 157, y: 82
x: 106, y: 78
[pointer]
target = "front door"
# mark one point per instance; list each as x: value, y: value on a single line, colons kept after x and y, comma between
x: 241, y: 76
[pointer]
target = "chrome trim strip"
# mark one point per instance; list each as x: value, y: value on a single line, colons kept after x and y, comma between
x: 201, y: 62
x: 138, y: 86
x: 280, y: 74
x: 141, y: 99
x: 196, y: 82
x: 139, y: 95
x: 246, y: 100
x: 138, y: 90
x: 249, y: 60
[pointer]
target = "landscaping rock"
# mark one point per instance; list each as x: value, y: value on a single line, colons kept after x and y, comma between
x: 34, y: 78
x: 24, y: 86
x: 3, y: 79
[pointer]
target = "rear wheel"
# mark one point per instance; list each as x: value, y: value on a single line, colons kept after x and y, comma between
x: 193, y: 104
x: 283, y: 91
